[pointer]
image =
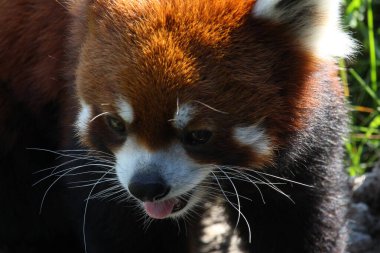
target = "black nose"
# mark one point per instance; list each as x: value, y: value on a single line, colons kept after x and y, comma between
x: 148, y: 186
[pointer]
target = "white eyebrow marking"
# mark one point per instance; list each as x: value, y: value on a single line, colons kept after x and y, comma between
x: 253, y: 136
x: 177, y: 106
x: 209, y: 107
x: 125, y: 110
x: 182, y: 116
x: 99, y: 115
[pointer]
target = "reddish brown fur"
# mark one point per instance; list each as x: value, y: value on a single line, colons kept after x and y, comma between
x: 219, y: 54
x: 212, y: 60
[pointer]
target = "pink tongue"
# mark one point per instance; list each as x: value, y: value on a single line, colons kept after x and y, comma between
x: 159, y: 210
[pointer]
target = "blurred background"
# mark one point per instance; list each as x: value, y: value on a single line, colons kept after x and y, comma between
x: 361, y: 78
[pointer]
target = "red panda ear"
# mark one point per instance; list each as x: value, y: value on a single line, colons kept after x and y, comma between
x: 314, y: 22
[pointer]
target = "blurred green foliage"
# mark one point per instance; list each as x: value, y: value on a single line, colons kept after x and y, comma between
x: 361, y: 77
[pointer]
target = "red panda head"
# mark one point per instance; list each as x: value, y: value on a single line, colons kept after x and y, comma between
x: 177, y: 89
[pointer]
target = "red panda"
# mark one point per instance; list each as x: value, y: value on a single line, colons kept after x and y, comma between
x: 173, y: 104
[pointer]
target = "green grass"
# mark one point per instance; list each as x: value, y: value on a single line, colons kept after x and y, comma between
x: 362, y: 83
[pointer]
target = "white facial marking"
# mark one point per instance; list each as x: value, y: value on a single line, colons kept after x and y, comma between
x: 127, y: 159
x: 125, y: 110
x: 183, y: 116
x: 83, y: 118
x: 315, y: 23
x: 173, y: 165
x: 255, y: 137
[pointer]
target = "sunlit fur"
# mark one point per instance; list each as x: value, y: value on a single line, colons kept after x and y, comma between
x: 259, y: 77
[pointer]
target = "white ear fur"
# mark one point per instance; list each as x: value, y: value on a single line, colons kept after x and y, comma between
x: 316, y: 23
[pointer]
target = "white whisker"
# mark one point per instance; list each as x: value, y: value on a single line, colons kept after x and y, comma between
x: 99, y: 115
x: 209, y: 107
x: 66, y: 171
x: 237, y: 196
x: 233, y: 206
x: 269, y: 183
x: 85, y: 211
x: 87, y: 185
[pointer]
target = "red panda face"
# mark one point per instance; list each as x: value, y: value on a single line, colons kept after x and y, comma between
x: 175, y: 90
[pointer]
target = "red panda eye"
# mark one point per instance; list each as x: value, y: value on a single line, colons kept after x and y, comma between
x: 116, y: 124
x: 197, y: 137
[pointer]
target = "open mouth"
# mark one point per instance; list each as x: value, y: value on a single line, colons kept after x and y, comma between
x: 165, y: 208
